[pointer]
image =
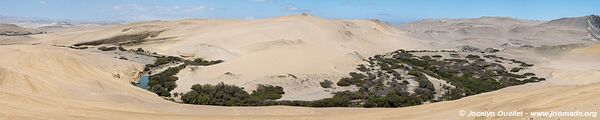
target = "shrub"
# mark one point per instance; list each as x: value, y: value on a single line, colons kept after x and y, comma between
x: 529, y: 74
x: 140, y: 50
x: 526, y: 65
x: 517, y: 69
x: 122, y: 49
x: 454, y: 55
x: 391, y: 100
x: 267, y: 92
x: 162, y: 83
x: 220, y: 94
x: 332, y: 102
x: 231, y: 95
x: 326, y: 84
x: 104, y: 48
x: 473, y: 56
x: 202, y: 62
x: 344, y: 82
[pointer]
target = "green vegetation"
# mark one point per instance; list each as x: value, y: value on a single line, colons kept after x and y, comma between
x: 326, y: 84
x: 139, y: 50
x: 473, y: 56
x: 267, y: 92
x: 517, y: 69
x: 354, y: 79
x: 230, y: 95
x: 202, y: 62
x: 162, y: 83
x: 220, y: 94
x: 122, y: 49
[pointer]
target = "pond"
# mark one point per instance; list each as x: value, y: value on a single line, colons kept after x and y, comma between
x: 143, y: 82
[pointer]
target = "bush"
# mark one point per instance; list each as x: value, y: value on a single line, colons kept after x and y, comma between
x: 354, y: 79
x: 526, y: 65
x: 140, y: 50
x: 332, y: 102
x: 231, y: 95
x: 220, y: 94
x: 326, y: 84
x: 202, y: 62
x: 517, y: 69
x: 162, y: 83
x: 103, y: 48
x: 472, y: 56
x: 344, y: 82
x: 122, y: 49
x: 529, y: 74
x: 267, y: 92
x: 391, y: 100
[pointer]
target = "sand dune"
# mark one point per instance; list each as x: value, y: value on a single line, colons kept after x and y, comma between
x: 42, y: 82
x: 312, y: 48
x: 46, y: 82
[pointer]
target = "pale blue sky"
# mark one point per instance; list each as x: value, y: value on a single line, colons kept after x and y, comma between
x: 395, y: 11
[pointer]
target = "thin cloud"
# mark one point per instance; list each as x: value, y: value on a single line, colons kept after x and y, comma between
x: 296, y: 9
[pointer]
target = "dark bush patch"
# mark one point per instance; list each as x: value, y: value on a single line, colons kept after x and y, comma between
x: 231, y: 95
x: 122, y: 49
x: 162, y: 83
x: 220, y: 94
x: 202, y: 62
x: 267, y: 92
x: 473, y: 56
x: 104, y: 48
x: 326, y: 84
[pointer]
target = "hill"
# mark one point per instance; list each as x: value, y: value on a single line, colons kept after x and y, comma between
x: 503, y: 32
x: 257, y: 51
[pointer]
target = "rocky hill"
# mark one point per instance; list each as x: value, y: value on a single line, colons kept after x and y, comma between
x: 14, y: 30
x: 502, y: 32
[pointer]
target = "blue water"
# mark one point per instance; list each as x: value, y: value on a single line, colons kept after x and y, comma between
x: 143, y: 82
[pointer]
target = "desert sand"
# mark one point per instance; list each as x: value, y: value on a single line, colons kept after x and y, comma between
x: 45, y: 82
x: 257, y: 51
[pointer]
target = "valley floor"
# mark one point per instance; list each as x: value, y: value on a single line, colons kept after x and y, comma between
x: 44, y: 82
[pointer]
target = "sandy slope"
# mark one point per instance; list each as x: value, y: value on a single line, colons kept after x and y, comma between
x: 45, y: 82
x: 41, y: 82
x: 257, y: 51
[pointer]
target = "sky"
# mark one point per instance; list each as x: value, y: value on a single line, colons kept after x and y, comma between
x: 393, y: 11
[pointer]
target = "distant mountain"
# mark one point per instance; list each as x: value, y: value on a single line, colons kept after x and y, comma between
x: 45, y: 23
x: 497, y: 32
x: 579, y: 22
x: 14, y: 30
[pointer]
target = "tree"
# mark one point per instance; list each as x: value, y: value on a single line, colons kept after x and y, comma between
x: 344, y: 82
x: 220, y: 94
x: 326, y: 84
x: 268, y: 92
